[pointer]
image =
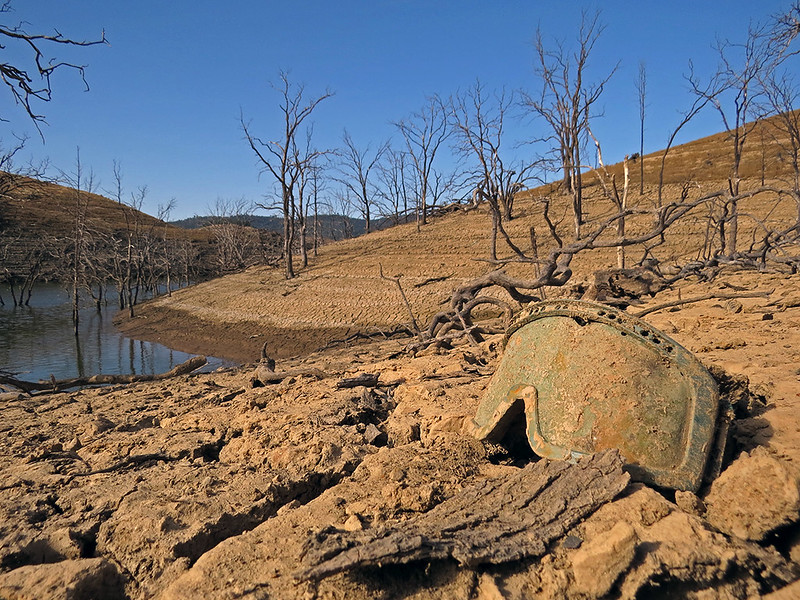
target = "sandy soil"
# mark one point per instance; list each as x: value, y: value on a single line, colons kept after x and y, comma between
x: 208, y: 487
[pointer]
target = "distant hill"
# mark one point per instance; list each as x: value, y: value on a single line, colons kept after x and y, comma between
x: 332, y: 227
x: 37, y: 222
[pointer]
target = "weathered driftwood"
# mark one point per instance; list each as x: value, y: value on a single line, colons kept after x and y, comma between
x: 362, y: 379
x: 715, y: 296
x: 56, y: 385
x: 264, y: 376
x: 493, y: 521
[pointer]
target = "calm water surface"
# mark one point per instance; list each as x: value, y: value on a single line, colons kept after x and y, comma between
x: 38, y: 340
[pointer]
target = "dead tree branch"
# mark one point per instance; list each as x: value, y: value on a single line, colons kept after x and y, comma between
x: 716, y: 296
x: 57, y: 385
x: 396, y: 280
x: 490, y: 522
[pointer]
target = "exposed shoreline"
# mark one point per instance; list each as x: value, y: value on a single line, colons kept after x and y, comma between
x: 240, y: 342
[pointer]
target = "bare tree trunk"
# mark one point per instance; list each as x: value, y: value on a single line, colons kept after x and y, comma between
x: 288, y: 239
x: 641, y: 86
x: 621, y: 223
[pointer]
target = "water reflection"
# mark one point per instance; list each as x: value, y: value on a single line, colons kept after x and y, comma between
x: 38, y: 340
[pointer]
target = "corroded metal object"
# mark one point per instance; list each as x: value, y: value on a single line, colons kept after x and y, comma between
x: 588, y: 377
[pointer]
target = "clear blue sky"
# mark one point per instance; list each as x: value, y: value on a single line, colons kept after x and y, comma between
x: 166, y: 94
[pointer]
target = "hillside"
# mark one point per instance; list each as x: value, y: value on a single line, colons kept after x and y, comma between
x: 44, y: 206
x: 331, y: 227
x: 342, y: 293
x: 38, y: 224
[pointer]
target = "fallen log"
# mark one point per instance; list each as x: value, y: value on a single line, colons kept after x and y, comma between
x: 493, y: 521
x: 363, y: 379
x: 715, y: 296
x: 57, y: 385
x: 264, y: 376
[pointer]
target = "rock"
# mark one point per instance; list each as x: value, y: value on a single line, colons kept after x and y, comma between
x: 598, y: 564
x: 86, y: 579
x: 100, y: 425
x: 403, y: 425
x: 767, y: 317
x: 374, y: 436
x: 754, y: 496
x: 353, y: 523
x: 733, y: 306
x: 690, y: 503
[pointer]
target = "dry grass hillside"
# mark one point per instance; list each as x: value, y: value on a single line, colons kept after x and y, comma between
x: 38, y: 206
x: 342, y: 293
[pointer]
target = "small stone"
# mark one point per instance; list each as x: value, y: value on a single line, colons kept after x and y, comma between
x: 74, y: 444
x: 353, y: 523
x: 690, y: 503
x: 374, y: 436
x: 754, y: 496
x: 767, y: 317
x: 571, y: 542
x: 598, y: 564
x: 101, y: 424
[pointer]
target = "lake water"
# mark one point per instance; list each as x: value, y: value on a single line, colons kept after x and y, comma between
x: 38, y: 340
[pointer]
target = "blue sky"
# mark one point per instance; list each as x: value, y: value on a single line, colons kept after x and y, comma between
x: 166, y: 94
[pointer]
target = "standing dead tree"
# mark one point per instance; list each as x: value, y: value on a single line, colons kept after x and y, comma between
x: 237, y: 243
x: 279, y: 157
x: 478, y: 121
x: 553, y: 270
x: 781, y: 94
x: 641, y: 93
x: 395, y: 189
x: 566, y: 101
x: 734, y: 92
x: 356, y: 168
x: 424, y: 132
x: 611, y: 190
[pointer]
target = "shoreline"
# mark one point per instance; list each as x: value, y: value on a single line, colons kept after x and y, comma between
x: 240, y: 342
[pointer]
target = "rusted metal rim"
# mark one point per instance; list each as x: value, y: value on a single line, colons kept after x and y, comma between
x: 580, y: 310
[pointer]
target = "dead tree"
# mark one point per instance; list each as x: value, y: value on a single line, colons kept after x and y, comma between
x: 424, y: 132
x: 356, y: 168
x: 236, y: 242
x: 30, y: 82
x: 566, y: 102
x: 395, y: 189
x: 611, y: 190
x: 735, y: 93
x: 478, y: 121
x: 641, y: 92
x: 781, y: 95
x: 277, y: 156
